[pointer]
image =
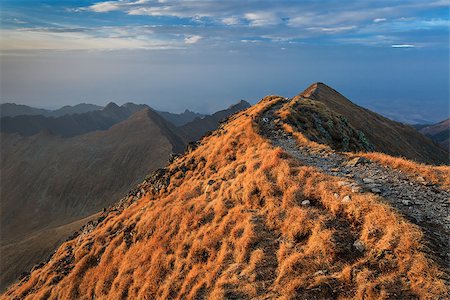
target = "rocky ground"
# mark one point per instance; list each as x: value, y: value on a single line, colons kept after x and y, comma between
x: 421, y: 202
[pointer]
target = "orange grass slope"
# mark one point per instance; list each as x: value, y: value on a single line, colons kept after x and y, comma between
x: 225, y: 221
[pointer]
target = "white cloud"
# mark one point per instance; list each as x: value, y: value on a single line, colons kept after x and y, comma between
x: 262, y: 18
x: 333, y: 29
x: 193, y: 39
x: 231, y: 21
x: 105, y: 38
x: 403, y: 46
x: 107, y: 6
x: 378, y: 20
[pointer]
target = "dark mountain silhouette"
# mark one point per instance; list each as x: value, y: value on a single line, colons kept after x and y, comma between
x: 70, y: 125
x: 199, y: 126
x: 76, y: 109
x: 12, y: 110
x: 180, y: 119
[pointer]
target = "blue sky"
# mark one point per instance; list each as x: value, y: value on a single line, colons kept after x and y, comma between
x: 389, y: 56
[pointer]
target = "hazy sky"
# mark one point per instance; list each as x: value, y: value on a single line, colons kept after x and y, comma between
x: 389, y: 56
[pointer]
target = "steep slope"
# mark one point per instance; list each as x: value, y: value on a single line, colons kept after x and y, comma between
x: 48, y: 182
x: 246, y: 216
x: 199, y: 126
x: 70, y: 125
x: 439, y: 133
x: 374, y: 132
x: 180, y: 119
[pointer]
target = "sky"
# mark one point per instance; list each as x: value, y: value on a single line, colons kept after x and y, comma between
x: 389, y: 56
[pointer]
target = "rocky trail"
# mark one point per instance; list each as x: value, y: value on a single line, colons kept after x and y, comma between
x: 422, y: 203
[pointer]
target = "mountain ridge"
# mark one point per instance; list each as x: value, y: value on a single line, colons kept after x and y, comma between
x: 255, y: 210
x: 385, y: 135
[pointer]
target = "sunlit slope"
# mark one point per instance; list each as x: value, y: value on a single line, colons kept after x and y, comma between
x: 238, y: 218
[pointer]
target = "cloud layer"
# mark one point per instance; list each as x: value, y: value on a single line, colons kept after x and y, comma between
x: 168, y: 24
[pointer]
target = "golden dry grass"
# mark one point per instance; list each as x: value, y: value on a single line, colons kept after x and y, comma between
x: 435, y: 174
x: 233, y: 225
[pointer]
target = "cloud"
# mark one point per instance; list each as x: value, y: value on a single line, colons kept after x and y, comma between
x: 193, y: 39
x: 108, y: 6
x: 333, y: 29
x: 262, y: 18
x: 231, y: 20
x: 224, y: 22
x: 104, y: 38
x: 403, y: 46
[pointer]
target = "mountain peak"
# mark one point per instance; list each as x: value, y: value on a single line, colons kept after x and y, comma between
x: 317, y: 89
x: 111, y: 106
x: 242, y: 104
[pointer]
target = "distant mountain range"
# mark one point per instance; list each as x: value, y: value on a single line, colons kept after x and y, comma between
x: 70, y: 121
x: 197, y: 127
x: 12, y: 110
x: 180, y: 119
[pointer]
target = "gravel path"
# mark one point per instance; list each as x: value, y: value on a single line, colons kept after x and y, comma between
x: 424, y: 204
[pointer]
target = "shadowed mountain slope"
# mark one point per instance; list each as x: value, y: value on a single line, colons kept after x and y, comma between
x: 72, y: 124
x: 256, y: 211
x: 49, y: 181
x: 199, y: 126
x: 372, y: 131
x: 439, y: 133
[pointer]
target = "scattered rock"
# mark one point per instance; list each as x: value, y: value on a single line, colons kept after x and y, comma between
x: 346, y: 199
x: 359, y: 245
x: 406, y: 202
x: 356, y: 189
x: 356, y: 161
x: 368, y: 180
x: 420, y: 179
x: 306, y: 203
x: 376, y: 190
x: 321, y: 272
